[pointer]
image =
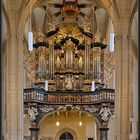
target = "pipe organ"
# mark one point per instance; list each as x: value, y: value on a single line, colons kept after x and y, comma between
x: 69, y: 63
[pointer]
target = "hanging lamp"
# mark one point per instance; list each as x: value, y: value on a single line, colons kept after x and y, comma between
x: 30, y: 34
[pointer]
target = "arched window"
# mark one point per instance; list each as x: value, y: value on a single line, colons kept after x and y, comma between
x: 66, y: 136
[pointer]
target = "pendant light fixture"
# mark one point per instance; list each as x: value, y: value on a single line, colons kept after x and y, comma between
x: 112, y: 35
x: 30, y: 34
x: 46, y: 81
x: 111, y: 48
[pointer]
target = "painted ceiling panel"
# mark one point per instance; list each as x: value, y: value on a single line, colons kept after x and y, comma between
x: 52, y: 10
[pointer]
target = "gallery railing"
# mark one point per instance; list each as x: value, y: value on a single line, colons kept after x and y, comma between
x: 32, y: 95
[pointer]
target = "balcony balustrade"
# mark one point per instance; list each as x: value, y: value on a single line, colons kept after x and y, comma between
x: 40, y: 96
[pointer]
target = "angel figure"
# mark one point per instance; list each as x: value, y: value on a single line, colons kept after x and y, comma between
x: 105, y: 112
x: 69, y: 82
x: 32, y: 113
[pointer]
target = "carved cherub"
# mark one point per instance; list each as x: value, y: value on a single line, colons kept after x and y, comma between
x: 52, y: 26
x: 105, y: 112
x: 69, y: 82
x: 32, y: 113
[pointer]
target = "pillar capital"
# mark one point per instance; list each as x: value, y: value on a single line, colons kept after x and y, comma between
x: 14, y: 36
x: 20, y: 36
x: 129, y: 38
x: 118, y: 40
x: 10, y: 36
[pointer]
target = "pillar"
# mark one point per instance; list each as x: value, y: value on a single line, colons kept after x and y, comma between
x: 14, y: 91
x: 13, y: 77
x: 34, y: 131
x: 122, y: 81
x: 103, y: 133
x: 118, y: 70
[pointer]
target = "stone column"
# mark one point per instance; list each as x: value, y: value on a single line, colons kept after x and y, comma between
x: 13, y: 76
x: 34, y: 130
x: 122, y: 81
x: 134, y: 94
x: 13, y: 97
x: 21, y: 83
x: 118, y: 70
x: 103, y: 133
x: 34, y: 133
x: 3, y: 95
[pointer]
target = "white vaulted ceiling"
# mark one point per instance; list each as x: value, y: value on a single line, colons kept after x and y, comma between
x: 102, y: 20
x: 38, y: 16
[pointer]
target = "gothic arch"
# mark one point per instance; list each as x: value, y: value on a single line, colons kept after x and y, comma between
x: 134, y: 10
x: 55, y: 111
x: 25, y: 13
x: 133, y: 46
x: 66, y: 130
x: 134, y: 51
x: 6, y: 21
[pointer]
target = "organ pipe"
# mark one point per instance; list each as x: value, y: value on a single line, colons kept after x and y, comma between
x: 69, y: 59
x: 88, y: 62
x: 58, y: 61
x: 80, y: 63
x: 99, y: 65
x: 42, y: 66
x: 50, y: 59
x: 53, y: 62
x: 93, y: 69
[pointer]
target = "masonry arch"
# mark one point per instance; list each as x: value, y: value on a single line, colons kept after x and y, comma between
x: 49, y: 129
x: 82, y: 111
x: 133, y: 29
x: 134, y: 10
x: 64, y: 130
x: 5, y: 25
x: 106, y: 5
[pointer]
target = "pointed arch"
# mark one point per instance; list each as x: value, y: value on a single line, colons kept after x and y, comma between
x: 134, y: 10
x: 63, y: 130
x: 6, y: 20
